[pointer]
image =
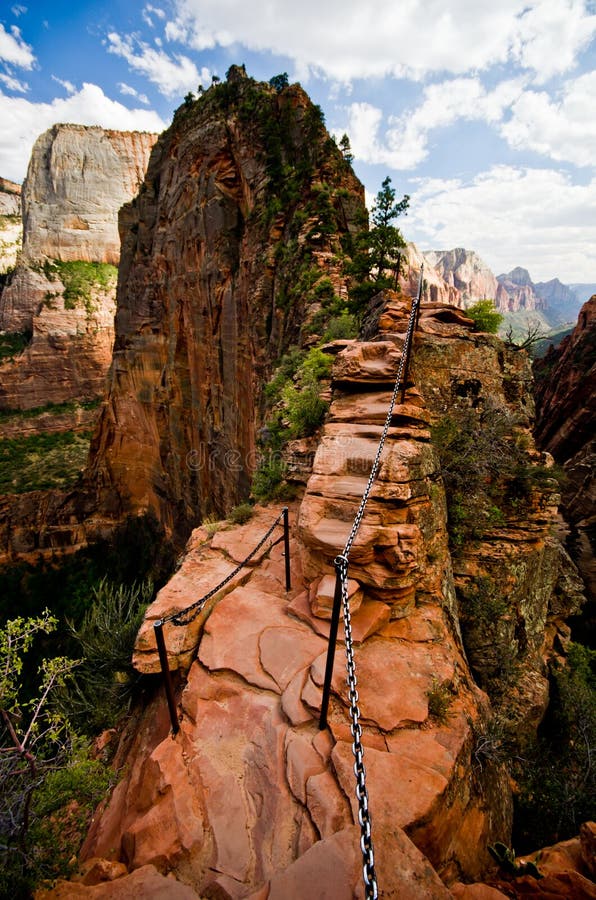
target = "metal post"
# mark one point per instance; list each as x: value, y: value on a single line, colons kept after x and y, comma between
x: 331, y: 646
x: 416, y: 305
x: 287, y: 548
x: 163, y: 658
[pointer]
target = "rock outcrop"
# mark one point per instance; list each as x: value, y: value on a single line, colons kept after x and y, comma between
x: 11, y: 226
x: 77, y: 180
x: 438, y: 290
x: 516, y: 291
x: 238, y: 222
x: 465, y: 271
x: 566, y: 410
x: 250, y: 799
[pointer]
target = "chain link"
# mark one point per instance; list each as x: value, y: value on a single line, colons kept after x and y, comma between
x: 377, y: 460
x: 188, y: 615
x: 341, y: 565
x: 366, y: 843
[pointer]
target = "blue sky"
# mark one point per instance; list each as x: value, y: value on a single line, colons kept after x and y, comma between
x: 483, y: 112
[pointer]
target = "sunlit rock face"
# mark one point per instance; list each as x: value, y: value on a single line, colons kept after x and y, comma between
x: 77, y: 180
x: 465, y: 271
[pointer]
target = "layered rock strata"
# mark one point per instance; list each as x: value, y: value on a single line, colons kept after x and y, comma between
x: 78, y: 178
x: 465, y: 271
x: 240, y: 217
x: 250, y: 799
x: 11, y: 225
x: 566, y: 411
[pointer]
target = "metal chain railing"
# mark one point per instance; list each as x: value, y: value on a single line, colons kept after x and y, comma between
x: 189, y: 614
x: 341, y: 601
x: 184, y: 617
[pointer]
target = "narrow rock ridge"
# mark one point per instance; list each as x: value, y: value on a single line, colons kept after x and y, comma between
x: 259, y: 799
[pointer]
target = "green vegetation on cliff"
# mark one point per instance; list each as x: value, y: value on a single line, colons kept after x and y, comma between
x: 43, y: 461
x: 12, y: 344
x: 50, y: 782
x: 81, y: 280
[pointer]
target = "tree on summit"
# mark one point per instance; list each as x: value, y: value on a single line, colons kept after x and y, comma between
x: 376, y: 257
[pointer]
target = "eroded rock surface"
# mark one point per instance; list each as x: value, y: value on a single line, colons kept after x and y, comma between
x: 566, y: 410
x: 212, y: 261
x: 77, y: 180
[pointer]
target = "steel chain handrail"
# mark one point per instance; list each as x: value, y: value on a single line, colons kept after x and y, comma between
x: 341, y: 566
x: 182, y: 617
x: 377, y: 460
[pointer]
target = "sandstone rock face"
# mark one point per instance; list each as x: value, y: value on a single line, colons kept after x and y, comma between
x: 517, y: 291
x: 464, y: 270
x: 250, y: 799
x: 11, y: 226
x: 213, y: 251
x: 566, y: 407
x: 10, y: 198
x: 77, y: 180
x: 68, y: 356
x: 439, y: 289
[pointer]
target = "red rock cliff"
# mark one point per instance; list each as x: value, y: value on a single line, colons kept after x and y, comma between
x: 240, y: 215
x: 566, y: 408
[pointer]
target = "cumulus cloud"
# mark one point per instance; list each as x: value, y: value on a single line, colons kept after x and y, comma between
x: 173, y: 75
x: 551, y: 35
x: 149, y: 12
x: 18, y: 10
x: 68, y: 86
x: 563, y: 128
x: 13, y: 84
x: 405, y: 142
x: 536, y: 218
x: 24, y: 121
x: 13, y: 48
x: 374, y: 39
x: 129, y: 91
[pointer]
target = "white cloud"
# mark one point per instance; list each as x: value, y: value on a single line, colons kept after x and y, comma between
x: 150, y: 11
x: 536, y: 218
x: 563, y: 129
x: 13, y: 84
x: 353, y: 39
x: 129, y: 91
x: 552, y: 34
x: 173, y: 76
x: 68, y: 86
x: 18, y: 10
x: 405, y: 143
x: 13, y: 48
x: 24, y: 121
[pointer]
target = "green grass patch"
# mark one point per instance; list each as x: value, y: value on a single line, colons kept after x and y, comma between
x: 12, y: 344
x: 54, y: 409
x: 81, y: 279
x: 42, y: 461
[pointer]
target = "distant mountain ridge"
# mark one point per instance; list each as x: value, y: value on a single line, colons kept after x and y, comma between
x: 513, y: 292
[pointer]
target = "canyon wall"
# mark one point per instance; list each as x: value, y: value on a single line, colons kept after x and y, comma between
x: 465, y: 271
x: 11, y: 226
x: 62, y: 292
x: 566, y: 411
x: 225, y: 252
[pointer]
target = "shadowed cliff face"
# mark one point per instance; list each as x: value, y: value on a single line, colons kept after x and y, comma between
x: 241, y: 213
x: 565, y: 406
